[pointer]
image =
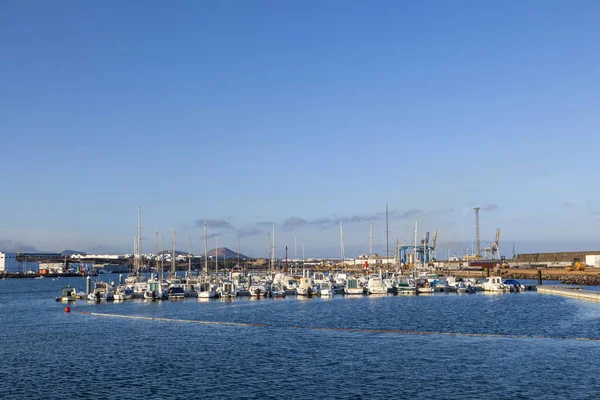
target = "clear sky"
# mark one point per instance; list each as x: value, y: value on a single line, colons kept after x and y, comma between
x: 299, y: 113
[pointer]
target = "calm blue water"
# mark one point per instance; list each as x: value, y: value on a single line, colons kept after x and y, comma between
x: 48, y: 353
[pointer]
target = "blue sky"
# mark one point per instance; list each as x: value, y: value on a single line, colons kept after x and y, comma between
x: 299, y: 113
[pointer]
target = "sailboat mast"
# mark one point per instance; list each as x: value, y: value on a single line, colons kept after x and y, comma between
x: 387, y: 240
x: 156, y: 257
x: 162, y: 257
x: 173, y: 252
x: 189, y: 256
x: 273, y: 252
x: 416, y: 229
x: 217, y: 256
x: 139, y: 239
x: 371, y: 241
x: 205, y: 250
x: 342, y: 255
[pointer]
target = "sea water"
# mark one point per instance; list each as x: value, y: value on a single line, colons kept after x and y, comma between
x: 499, y: 346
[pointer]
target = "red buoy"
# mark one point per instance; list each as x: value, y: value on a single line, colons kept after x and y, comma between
x: 67, y: 309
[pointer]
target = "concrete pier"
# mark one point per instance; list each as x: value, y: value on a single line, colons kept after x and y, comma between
x: 570, y: 292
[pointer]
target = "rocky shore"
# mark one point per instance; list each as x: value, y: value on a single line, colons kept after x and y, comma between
x: 570, y: 279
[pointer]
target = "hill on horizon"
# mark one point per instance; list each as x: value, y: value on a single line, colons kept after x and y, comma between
x: 224, y: 252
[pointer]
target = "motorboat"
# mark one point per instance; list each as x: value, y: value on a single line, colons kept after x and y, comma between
x: 494, y: 284
x: 353, y: 287
x: 67, y: 294
x: 405, y: 286
x: 123, y: 293
x: 277, y: 290
x: 206, y: 290
x: 176, y: 293
x: 257, y: 290
x: 514, y: 285
x: 325, y: 289
x: 306, y: 287
x: 375, y: 285
x: 102, y: 291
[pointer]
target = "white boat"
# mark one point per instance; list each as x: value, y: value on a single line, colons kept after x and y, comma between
x: 176, y: 293
x: 154, y: 290
x: 306, y: 287
x: 494, y: 284
x: 375, y: 285
x: 68, y: 294
x: 102, y: 291
x: 325, y: 289
x: 257, y: 290
x: 405, y: 286
x: 206, y: 290
x: 352, y: 287
x: 123, y: 293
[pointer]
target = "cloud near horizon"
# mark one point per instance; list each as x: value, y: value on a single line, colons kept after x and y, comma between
x: 12, y: 247
x: 213, y: 223
x: 242, y: 233
x: 291, y: 223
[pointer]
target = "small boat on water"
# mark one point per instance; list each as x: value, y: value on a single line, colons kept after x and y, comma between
x: 68, y: 294
x: 306, y: 287
x: 123, y: 293
x: 325, y: 289
x: 176, y: 293
x: 353, y: 287
x: 405, y: 286
x: 494, y: 284
x: 102, y: 291
x: 375, y: 285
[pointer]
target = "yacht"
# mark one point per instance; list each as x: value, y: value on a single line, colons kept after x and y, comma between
x: 405, y: 286
x: 206, y: 290
x: 352, y: 287
x: 123, y: 293
x: 306, y: 287
x: 325, y: 289
x: 494, y: 284
x: 375, y: 285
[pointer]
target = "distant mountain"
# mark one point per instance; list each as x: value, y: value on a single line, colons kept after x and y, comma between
x: 224, y: 252
x: 71, y: 252
x: 177, y: 253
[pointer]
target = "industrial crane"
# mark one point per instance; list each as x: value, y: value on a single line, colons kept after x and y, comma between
x: 493, y: 248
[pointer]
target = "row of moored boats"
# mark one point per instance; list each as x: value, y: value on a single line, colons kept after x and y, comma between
x: 236, y: 284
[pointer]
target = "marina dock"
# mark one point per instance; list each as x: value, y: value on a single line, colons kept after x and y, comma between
x: 570, y: 292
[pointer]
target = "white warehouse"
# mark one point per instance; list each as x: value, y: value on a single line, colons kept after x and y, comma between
x: 8, y: 262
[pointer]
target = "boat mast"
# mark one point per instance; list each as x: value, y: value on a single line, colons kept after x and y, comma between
x: 342, y: 255
x: 416, y: 228
x: 162, y: 257
x: 273, y: 252
x: 205, y: 250
x: 387, y: 240
x: 371, y: 241
x: 156, y: 257
x: 217, y: 257
x: 189, y: 256
x: 238, y: 255
x: 139, y: 239
x: 173, y: 252
x: 134, y: 254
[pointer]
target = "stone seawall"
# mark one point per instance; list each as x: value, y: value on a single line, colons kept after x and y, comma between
x: 554, y: 257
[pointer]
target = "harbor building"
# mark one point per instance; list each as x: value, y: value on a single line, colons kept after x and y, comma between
x: 8, y: 262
